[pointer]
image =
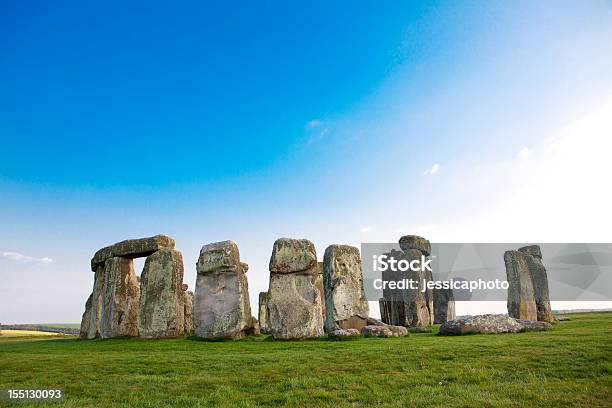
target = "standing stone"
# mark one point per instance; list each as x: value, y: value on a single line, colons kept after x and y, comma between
x: 521, y: 297
x: 417, y: 302
x: 221, y: 306
x: 345, y: 302
x: 539, y: 279
x: 444, y: 305
x: 188, y: 309
x: 86, y: 319
x: 263, y: 312
x: 321, y: 286
x: 97, y: 298
x: 295, y: 308
x: 119, y: 315
x: 162, y: 307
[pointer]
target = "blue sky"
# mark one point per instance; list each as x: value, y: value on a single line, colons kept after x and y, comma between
x: 341, y: 123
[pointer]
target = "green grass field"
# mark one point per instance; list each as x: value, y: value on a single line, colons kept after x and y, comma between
x: 568, y: 366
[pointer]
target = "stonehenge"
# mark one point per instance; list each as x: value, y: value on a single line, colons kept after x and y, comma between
x: 528, y: 296
x: 346, y: 306
x: 305, y: 299
x: 295, y: 306
x: 221, y: 308
x: 122, y: 305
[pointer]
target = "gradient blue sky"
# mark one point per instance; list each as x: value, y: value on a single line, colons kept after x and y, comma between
x: 254, y: 121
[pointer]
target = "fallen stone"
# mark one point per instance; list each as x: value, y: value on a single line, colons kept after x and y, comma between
x: 162, y: 303
x: 398, y: 331
x: 521, y: 297
x: 295, y: 307
x: 487, y: 323
x: 345, y: 302
x: 376, y: 331
x: 344, y: 333
x: 119, y: 314
x: 374, y: 322
x: 221, y: 308
x: 561, y: 318
x: 132, y: 248
x: 530, y: 325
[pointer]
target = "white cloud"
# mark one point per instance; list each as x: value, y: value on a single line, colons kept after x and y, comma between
x: 433, y: 170
x: 17, y: 257
x: 366, y: 229
x: 524, y: 153
x: 314, y: 124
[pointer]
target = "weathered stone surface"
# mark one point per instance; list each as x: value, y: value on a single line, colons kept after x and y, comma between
x: 444, y: 305
x: 132, y: 248
x: 521, y: 297
x: 293, y: 255
x: 221, y: 308
x: 295, y: 306
x: 345, y: 302
x: 415, y: 242
x: 121, y: 296
x: 376, y: 331
x: 561, y: 318
x: 321, y: 286
x: 417, y: 304
x: 263, y: 312
x: 374, y: 322
x: 219, y: 255
x: 487, y: 323
x: 539, y: 279
x: 97, y: 298
x: 530, y: 325
x: 533, y: 250
x: 162, y: 303
x: 254, y: 329
x: 344, y: 333
x: 188, y: 310
x: 86, y: 319
x: 295, y: 309
x: 398, y: 331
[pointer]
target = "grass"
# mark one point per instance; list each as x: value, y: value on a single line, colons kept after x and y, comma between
x: 567, y: 366
x: 24, y: 333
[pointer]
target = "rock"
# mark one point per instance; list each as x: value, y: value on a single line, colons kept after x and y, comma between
x: 487, y: 323
x: 417, y: 304
x: 530, y: 325
x: 254, y: 328
x: 374, y: 322
x: 188, y: 310
x: 345, y: 302
x: 97, y: 298
x: 539, y: 280
x: 295, y: 308
x: 444, y: 305
x: 292, y: 255
x: 321, y: 287
x: 263, y: 312
x: 521, y: 297
x: 344, y: 333
x: 221, y: 308
x: 398, y: 331
x: 415, y: 242
x: 162, y: 303
x: 132, y: 248
x: 533, y: 250
x: 561, y: 318
x: 86, y: 319
x: 119, y: 314
x: 376, y: 331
